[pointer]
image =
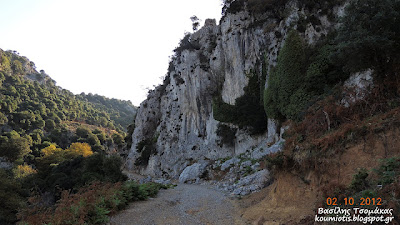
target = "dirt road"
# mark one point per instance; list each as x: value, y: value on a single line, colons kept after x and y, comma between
x: 184, y: 204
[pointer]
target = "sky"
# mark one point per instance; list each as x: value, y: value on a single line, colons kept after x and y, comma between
x: 115, y: 48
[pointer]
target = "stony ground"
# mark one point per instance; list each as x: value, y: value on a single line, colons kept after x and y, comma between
x: 184, y: 204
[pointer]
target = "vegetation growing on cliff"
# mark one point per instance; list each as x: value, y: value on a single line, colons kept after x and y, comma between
x: 327, y: 123
x: 328, y: 128
x: 302, y: 74
x: 247, y: 112
x: 286, y: 78
x: 146, y: 148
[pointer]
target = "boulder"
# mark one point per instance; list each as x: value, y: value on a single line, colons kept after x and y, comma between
x: 252, y: 183
x: 229, y: 163
x: 193, y: 173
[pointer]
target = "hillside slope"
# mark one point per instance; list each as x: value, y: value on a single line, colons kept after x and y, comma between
x: 52, y: 140
x: 31, y: 103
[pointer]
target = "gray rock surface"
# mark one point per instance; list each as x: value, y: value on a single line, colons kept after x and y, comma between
x: 162, y: 181
x: 229, y: 163
x: 357, y: 86
x: 262, y: 151
x: 246, y: 164
x: 193, y: 173
x: 252, y: 183
x: 146, y: 180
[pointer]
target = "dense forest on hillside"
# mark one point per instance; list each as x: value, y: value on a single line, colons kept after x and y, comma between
x: 52, y: 140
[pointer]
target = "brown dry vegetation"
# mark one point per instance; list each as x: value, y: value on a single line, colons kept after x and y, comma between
x: 322, y: 155
x: 293, y: 197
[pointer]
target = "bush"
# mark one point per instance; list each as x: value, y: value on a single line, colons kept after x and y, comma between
x: 90, y: 205
x: 102, y: 168
x: 11, y: 198
x: 388, y: 171
x: 261, y: 6
x: 130, y: 190
x: 61, y: 172
x: 185, y: 44
x: 148, y: 190
x: 22, y: 171
x: 301, y: 75
x: 77, y: 149
x: 50, y: 124
x: 13, y: 146
x: 82, y: 132
x: 118, y: 139
x: 359, y: 181
x: 5, y: 63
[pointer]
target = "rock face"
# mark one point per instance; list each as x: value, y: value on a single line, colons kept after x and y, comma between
x: 357, y: 87
x: 193, y: 173
x: 176, y: 120
x: 252, y: 183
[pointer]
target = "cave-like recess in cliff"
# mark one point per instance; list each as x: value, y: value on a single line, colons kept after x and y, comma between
x: 248, y: 110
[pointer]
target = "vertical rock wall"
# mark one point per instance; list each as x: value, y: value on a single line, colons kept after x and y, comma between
x: 177, y: 116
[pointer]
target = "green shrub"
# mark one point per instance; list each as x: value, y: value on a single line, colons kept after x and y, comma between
x: 73, y: 173
x: 50, y: 124
x: 91, y: 204
x: 5, y: 63
x: 130, y: 190
x: 82, y: 132
x: 300, y: 76
x: 388, y: 171
x: 148, y: 190
x: 185, y: 44
x: 17, y: 67
x: 359, y: 181
x: 118, y: 139
x: 107, y: 168
x: 13, y: 146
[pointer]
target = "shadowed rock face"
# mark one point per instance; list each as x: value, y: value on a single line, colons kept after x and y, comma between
x: 177, y: 116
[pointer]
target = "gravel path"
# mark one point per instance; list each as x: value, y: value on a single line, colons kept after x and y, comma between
x: 184, y: 204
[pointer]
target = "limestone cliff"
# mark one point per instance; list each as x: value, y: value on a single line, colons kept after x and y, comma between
x: 175, y: 127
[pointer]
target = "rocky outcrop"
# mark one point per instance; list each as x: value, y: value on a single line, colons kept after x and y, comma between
x: 252, y: 183
x: 193, y: 173
x: 5, y: 164
x: 357, y: 86
x: 175, y: 125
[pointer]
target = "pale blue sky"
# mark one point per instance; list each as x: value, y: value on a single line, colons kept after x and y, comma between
x: 113, y: 48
